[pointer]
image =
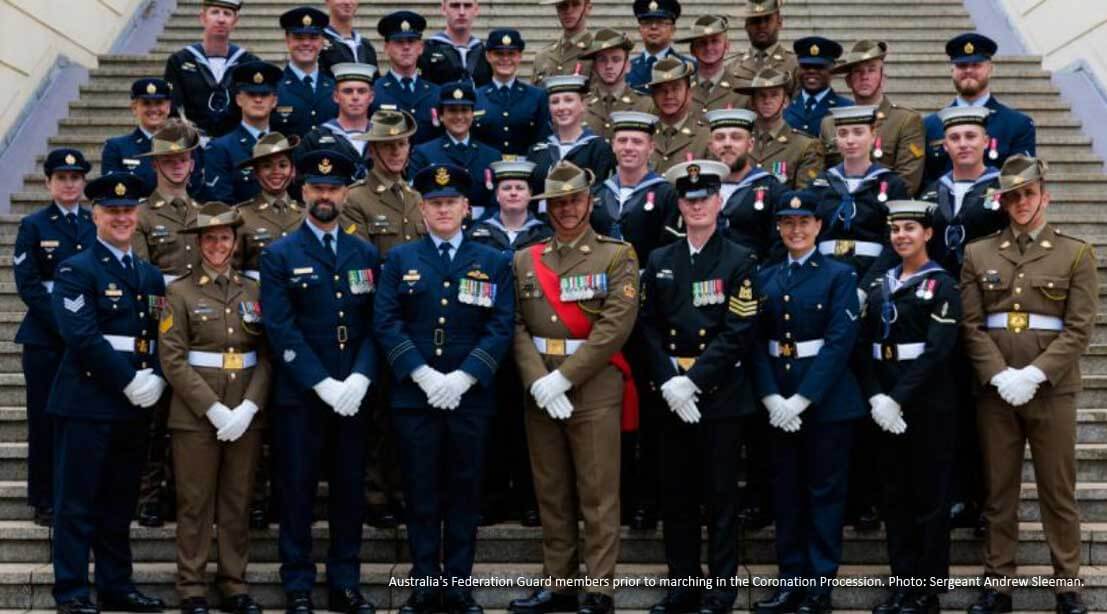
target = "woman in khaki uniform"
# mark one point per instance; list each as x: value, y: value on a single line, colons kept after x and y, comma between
x: 214, y: 357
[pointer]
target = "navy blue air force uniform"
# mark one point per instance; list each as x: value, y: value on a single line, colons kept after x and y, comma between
x: 417, y: 98
x: 45, y: 238
x: 447, y: 304
x: 641, y: 66
x: 107, y: 316
x: 200, y: 97
x: 514, y: 115
x: 806, y: 111
x: 807, y: 330
x: 318, y: 310
x: 304, y: 101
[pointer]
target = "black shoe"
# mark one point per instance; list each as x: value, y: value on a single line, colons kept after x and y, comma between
x: 715, y: 604
x: 921, y: 604
x: 1070, y: 603
x: 544, y: 600
x: 421, y: 602
x: 240, y: 604
x: 298, y: 602
x: 44, y: 516
x: 783, y: 601
x: 868, y: 521
x: 133, y: 601
x: 644, y: 519
x: 963, y: 515
x: 194, y: 605
x: 381, y: 517
x: 350, y: 601
x: 815, y: 604
x: 893, y: 603
x: 991, y: 602
x: 530, y: 518
x: 259, y: 517
x: 77, y: 606
x: 595, y: 603
x: 678, y: 601
x: 149, y: 514
x: 461, y: 602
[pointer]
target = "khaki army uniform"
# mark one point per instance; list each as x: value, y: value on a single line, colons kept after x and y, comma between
x: 265, y: 218
x: 779, y: 57
x: 576, y: 461
x: 212, y: 350
x: 156, y: 238
x: 600, y: 105
x: 802, y: 156
x: 720, y: 94
x: 902, y: 142
x: 1004, y: 290
x: 561, y: 57
x: 384, y: 212
x: 673, y: 143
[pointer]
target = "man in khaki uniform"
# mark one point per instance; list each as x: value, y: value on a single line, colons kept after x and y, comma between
x: 681, y: 132
x: 794, y: 157
x: 271, y: 214
x: 169, y: 209
x: 213, y: 354
x: 763, y: 23
x: 1030, y: 297
x: 713, y: 85
x: 567, y: 345
x: 563, y: 56
x: 900, y: 142
x: 609, y: 54
x: 383, y: 209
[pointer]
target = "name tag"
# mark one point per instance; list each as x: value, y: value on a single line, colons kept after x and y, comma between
x: 412, y: 276
x: 113, y: 293
x: 132, y: 163
x: 48, y: 244
x: 286, y: 110
x: 307, y: 270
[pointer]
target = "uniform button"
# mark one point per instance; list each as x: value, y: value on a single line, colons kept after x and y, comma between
x: 337, y: 278
x: 506, y: 129
x: 143, y: 333
x: 114, y: 306
x: 703, y: 332
x: 672, y: 346
x: 702, y: 346
x: 407, y: 237
x: 230, y: 331
x: 787, y: 335
x: 144, y: 364
x: 226, y: 311
x: 441, y: 320
x: 506, y: 113
x: 88, y: 373
x: 190, y: 266
x: 203, y: 318
x: 313, y: 112
x: 231, y: 350
x: 232, y: 375
x: 787, y: 298
x: 138, y: 296
x: 437, y: 351
x: 303, y: 285
x: 553, y: 318
x: 342, y: 314
x: 1021, y: 275
x: 787, y: 366
x: 445, y: 302
x: 79, y: 246
x: 787, y: 316
x: 1018, y: 290
x: 188, y: 248
x: 141, y: 314
x: 672, y: 331
x: 445, y: 284
x: 405, y: 220
x: 1017, y: 307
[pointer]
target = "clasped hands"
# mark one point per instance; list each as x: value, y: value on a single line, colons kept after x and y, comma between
x: 1018, y: 386
x: 784, y: 414
x: 344, y: 397
x: 443, y: 390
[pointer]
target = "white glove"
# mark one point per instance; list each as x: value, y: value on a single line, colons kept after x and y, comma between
x: 429, y: 379
x: 792, y: 425
x: 688, y: 412
x: 220, y: 416
x: 559, y: 407
x: 329, y: 390
x: 545, y: 388
x: 1022, y: 385
x: 679, y: 390
x: 455, y: 384
x: 145, y: 388
x: 1001, y: 379
x: 775, y: 404
x: 792, y: 408
x: 862, y: 296
x: 241, y: 418
x: 158, y: 385
x: 353, y: 391
x: 887, y: 414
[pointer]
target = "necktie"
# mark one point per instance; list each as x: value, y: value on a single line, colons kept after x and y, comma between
x: 793, y: 268
x: 650, y: 61
x: 444, y: 252
x: 406, y: 83
x: 128, y: 267
x: 329, y: 247
x: 1023, y: 242
x: 71, y: 219
x: 811, y: 102
x: 309, y: 82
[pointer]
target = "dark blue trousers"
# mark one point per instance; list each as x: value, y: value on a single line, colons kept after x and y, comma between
x: 40, y: 365
x: 310, y: 439
x: 97, y: 470
x: 442, y: 454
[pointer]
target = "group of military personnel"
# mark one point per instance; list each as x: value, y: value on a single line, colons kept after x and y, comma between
x: 612, y: 293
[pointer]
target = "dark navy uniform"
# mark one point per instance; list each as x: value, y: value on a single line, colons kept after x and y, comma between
x: 978, y: 214
x: 641, y: 67
x: 337, y: 49
x: 46, y: 237
x: 318, y: 310
x: 1011, y: 131
x: 647, y: 218
x: 441, y: 61
x: 390, y: 93
x: 747, y: 216
x: 589, y: 151
x: 200, y: 97
x: 332, y: 136
x: 492, y: 232
x: 300, y: 108
x: 449, y: 316
x: 806, y: 112
x: 515, y: 116
x: 106, y: 308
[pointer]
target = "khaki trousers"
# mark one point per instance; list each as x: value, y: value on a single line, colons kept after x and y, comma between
x: 214, y: 484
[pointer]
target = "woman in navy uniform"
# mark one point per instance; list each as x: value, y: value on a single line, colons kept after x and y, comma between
x: 570, y: 140
x: 106, y: 303
x: 516, y: 114
x: 445, y: 315
x: 808, y: 326
x: 46, y: 237
x: 908, y: 336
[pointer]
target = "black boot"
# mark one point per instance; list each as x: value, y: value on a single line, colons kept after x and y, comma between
x: 991, y: 602
x: 542, y: 601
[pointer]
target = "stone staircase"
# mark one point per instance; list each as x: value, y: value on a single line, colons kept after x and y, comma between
x: 919, y: 77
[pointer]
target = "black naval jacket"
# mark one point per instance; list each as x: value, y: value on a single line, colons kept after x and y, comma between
x: 336, y: 51
x: 979, y: 216
x: 589, y: 151
x: 198, y: 96
x: 649, y: 218
x: 441, y: 62
x: 491, y: 232
x: 747, y: 217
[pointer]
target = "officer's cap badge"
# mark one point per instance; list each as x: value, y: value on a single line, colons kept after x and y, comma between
x: 1018, y: 179
x: 174, y: 147
x: 69, y: 159
x: 405, y: 26
x: 969, y: 48
x: 795, y: 203
x: 325, y: 166
x: 506, y: 40
x: 814, y: 50
x: 458, y: 95
x: 258, y: 78
x: 653, y: 6
x: 694, y: 173
x: 120, y: 189
x: 151, y: 89
x: 393, y: 130
x: 442, y: 176
x: 306, y: 20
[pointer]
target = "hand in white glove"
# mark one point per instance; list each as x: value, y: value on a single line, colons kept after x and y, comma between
x: 792, y: 425
x: 241, y: 418
x: 688, y: 412
x: 775, y: 404
x: 1001, y: 379
x: 158, y: 386
x: 545, y: 388
x: 1022, y: 385
x: 429, y: 379
x: 354, y: 388
x: 793, y: 407
x: 220, y: 416
x: 862, y: 296
x: 455, y: 384
x: 145, y: 388
x: 559, y: 407
x: 330, y: 390
x: 887, y: 414
x: 678, y: 391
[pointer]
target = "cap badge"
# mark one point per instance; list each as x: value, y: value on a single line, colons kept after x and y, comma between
x: 405, y: 26
x: 1018, y: 179
x: 653, y: 6
x: 694, y: 173
x: 442, y: 176
x: 258, y: 78
x: 120, y: 189
x: 566, y: 186
x: 393, y: 131
x: 151, y: 89
x: 174, y: 147
x: 69, y: 159
x: 306, y: 20
x: 795, y: 203
x: 969, y: 48
x: 325, y: 166
x: 506, y: 40
x: 757, y: 8
x: 458, y: 95
x: 814, y: 50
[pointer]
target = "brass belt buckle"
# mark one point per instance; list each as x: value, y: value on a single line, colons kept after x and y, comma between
x: 342, y: 334
x: 142, y: 346
x: 233, y: 361
x: 555, y: 347
x: 787, y: 349
x: 844, y: 247
x: 1018, y: 321
x: 889, y: 351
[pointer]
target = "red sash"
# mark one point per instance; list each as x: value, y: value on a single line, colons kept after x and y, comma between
x: 579, y: 328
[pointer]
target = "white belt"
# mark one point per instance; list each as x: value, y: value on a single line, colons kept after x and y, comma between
x: 898, y: 351
x: 848, y: 248
x: 557, y: 347
x: 788, y: 349
x: 252, y: 274
x: 49, y: 285
x: 130, y: 344
x: 170, y: 278
x: 1020, y: 320
x: 219, y: 360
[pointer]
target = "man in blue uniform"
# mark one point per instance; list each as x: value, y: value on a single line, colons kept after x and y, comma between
x: 317, y: 286
x: 445, y: 315
x: 401, y: 88
x: 46, y: 237
x: 1011, y: 132
x: 342, y: 42
x: 454, y: 54
x: 151, y: 103
x: 458, y: 147
x: 656, y: 24
x: 816, y: 97
x: 516, y: 114
x: 353, y: 93
x: 201, y: 72
x: 305, y: 94
x: 256, y: 95
x: 106, y: 304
